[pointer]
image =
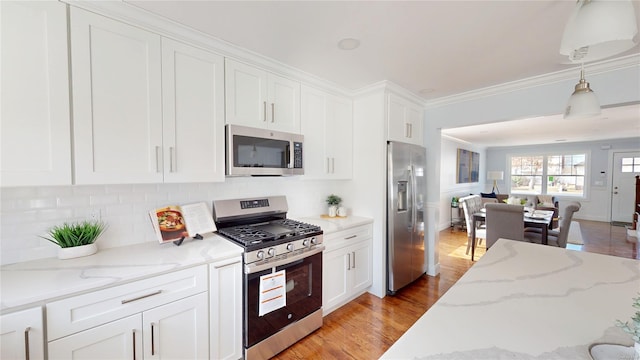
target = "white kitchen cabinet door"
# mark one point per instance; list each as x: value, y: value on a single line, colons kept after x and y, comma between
x: 35, y: 127
x: 361, y: 267
x: 327, y: 123
x: 22, y: 335
x: 257, y: 98
x: 117, y: 97
x: 178, y: 330
x: 225, y: 292
x: 245, y: 94
x: 193, y: 113
x: 335, y: 279
x: 283, y: 102
x: 404, y: 120
x: 119, y: 339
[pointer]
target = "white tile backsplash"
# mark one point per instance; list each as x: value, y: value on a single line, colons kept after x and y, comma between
x: 27, y: 212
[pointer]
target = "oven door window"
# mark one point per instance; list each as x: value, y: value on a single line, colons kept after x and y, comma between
x: 304, y: 296
x: 258, y: 152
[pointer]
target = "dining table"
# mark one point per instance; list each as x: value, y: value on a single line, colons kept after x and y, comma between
x: 532, y: 218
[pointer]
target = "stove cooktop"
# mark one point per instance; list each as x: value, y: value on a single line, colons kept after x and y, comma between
x: 255, y: 236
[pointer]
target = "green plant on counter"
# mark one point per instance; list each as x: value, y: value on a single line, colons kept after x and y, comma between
x: 632, y: 327
x: 333, y: 200
x: 75, y: 234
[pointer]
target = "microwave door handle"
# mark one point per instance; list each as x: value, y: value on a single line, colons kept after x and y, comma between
x: 288, y: 156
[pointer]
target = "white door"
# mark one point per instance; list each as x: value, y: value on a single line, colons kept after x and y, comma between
x: 35, y: 128
x: 117, y: 101
x: 283, y: 105
x: 193, y: 113
x: 245, y: 94
x: 120, y: 339
x: 22, y: 335
x: 335, y: 279
x: 626, y: 165
x: 178, y: 330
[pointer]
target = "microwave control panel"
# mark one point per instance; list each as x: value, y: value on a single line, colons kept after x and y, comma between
x: 297, y: 155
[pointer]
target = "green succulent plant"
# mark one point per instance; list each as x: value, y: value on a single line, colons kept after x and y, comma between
x: 632, y: 327
x: 75, y: 234
x: 333, y: 200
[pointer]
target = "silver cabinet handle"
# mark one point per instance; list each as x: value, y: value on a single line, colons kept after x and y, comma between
x: 141, y: 297
x: 354, y: 259
x: 172, y: 152
x: 153, y: 340
x: 273, y: 112
x: 350, y: 237
x: 157, y: 158
x: 264, y: 110
x: 133, y: 332
x: 26, y: 343
x: 406, y: 130
x: 349, y: 262
x: 333, y: 165
x: 328, y: 165
x: 411, y: 130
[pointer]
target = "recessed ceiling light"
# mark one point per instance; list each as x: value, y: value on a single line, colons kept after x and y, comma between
x: 427, y: 91
x: 348, y: 44
x: 560, y: 140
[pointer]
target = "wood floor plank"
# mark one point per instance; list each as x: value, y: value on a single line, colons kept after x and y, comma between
x: 367, y: 326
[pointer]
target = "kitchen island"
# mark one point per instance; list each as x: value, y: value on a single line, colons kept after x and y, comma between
x: 527, y: 301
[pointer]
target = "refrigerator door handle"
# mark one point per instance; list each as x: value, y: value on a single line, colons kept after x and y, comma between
x: 414, y: 199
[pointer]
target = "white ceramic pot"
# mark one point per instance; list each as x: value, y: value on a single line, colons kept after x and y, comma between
x: 77, y: 251
x: 342, y: 211
x: 333, y: 210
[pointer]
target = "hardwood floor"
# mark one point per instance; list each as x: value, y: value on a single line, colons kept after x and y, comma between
x: 366, y: 327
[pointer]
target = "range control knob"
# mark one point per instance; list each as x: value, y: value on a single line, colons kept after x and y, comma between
x: 271, y: 251
x: 290, y: 247
x: 305, y: 242
x: 314, y: 240
x: 260, y: 255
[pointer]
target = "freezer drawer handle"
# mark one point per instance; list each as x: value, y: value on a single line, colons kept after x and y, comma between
x: 141, y: 297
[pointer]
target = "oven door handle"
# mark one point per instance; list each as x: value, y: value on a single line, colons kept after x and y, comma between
x: 253, y: 268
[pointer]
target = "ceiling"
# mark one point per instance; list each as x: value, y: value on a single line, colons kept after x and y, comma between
x: 432, y: 48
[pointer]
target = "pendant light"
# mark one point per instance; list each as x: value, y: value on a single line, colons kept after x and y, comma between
x: 583, y: 102
x: 598, y: 29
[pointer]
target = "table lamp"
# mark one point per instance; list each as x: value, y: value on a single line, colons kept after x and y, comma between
x: 495, y: 176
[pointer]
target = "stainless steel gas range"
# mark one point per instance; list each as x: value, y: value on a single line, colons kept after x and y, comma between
x: 282, y: 290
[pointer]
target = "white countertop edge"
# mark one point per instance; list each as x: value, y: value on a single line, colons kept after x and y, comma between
x: 34, y: 283
x: 330, y: 225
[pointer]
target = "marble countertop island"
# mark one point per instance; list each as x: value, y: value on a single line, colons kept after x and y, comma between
x: 527, y: 301
x: 35, y: 282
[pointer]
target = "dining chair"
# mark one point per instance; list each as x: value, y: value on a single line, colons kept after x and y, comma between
x: 555, y: 237
x: 504, y: 221
x: 472, y: 204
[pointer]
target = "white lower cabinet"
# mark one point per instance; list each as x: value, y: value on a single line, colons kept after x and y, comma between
x: 347, y: 266
x: 161, y: 317
x: 225, y: 299
x: 22, y: 335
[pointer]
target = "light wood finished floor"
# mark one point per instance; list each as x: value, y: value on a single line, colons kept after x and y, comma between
x: 366, y: 327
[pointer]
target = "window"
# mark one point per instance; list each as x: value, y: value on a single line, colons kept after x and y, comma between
x: 630, y: 164
x: 557, y: 174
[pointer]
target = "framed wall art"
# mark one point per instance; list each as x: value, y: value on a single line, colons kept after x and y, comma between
x: 468, y: 166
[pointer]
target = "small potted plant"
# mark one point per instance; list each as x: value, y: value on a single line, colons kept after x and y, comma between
x: 333, y: 201
x: 633, y: 327
x: 76, y: 239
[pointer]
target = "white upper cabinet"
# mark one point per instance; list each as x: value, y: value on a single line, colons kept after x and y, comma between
x: 327, y: 125
x: 404, y: 120
x: 257, y: 98
x: 193, y: 113
x: 35, y: 121
x: 116, y: 101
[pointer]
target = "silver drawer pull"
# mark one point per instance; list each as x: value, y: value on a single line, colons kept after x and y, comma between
x: 26, y: 343
x: 141, y: 297
x: 350, y: 237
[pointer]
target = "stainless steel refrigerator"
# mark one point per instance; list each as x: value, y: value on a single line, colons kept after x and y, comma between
x: 406, y: 194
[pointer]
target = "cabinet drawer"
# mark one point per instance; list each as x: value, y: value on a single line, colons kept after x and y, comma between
x: 81, y: 312
x: 346, y: 237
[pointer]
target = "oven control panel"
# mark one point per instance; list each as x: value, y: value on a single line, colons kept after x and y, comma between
x: 282, y: 251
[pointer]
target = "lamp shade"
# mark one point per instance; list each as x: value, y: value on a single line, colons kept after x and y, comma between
x: 583, y: 102
x: 495, y: 175
x: 598, y: 29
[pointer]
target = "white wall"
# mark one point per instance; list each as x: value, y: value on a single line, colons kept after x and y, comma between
x: 28, y: 212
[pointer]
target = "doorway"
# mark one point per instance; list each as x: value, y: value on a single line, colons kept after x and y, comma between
x: 626, y: 165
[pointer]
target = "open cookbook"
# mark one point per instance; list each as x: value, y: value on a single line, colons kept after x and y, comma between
x: 177, y: 222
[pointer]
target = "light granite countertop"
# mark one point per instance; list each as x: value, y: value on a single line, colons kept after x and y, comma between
x: 34, y: 283
x: 527, y: 301
x: 330, y: 225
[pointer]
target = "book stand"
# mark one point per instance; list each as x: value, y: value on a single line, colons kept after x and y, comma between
x: 195, y: 237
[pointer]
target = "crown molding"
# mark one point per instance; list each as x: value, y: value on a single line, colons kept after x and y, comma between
x: 386, y: 85
x: 135, y: 16
x: 600, y: 67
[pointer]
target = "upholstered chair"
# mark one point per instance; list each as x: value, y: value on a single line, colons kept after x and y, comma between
x: 504, y: 221
x: 472, y: 204
x: 555, y: 237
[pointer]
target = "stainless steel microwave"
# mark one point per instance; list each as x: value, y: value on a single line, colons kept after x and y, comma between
x: 262, y: 152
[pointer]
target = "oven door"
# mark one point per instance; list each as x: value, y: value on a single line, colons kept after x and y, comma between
x: 303, y: 292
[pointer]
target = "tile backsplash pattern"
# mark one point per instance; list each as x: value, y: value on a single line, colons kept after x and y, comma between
x: 28, y: 212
